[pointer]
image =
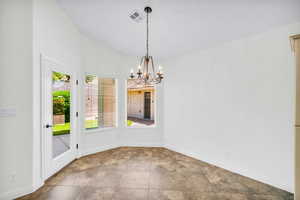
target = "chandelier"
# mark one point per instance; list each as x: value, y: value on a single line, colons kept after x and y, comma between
x: 146, y: 73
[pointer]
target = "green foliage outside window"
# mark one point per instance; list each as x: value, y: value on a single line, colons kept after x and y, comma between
x: 58, y: 105
x: 61, y: 104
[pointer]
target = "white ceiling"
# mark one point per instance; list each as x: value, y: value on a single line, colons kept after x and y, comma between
x: 178, y: 26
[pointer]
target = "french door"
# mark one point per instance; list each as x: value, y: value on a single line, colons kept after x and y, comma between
x: 58, y: 116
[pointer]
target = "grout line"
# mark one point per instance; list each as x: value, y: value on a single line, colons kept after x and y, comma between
x: 150, y: 160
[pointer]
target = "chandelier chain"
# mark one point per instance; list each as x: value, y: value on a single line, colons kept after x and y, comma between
x: 147, y: 41
x: 146, y: 74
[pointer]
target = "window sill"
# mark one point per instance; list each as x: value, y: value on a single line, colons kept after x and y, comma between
x: 141, y: 127
x: 99, y: 130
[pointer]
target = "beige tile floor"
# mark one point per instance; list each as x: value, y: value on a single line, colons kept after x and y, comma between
x: 132, y: 173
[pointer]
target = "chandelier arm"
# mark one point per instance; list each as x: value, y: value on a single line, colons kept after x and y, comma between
x: 153, y: 71
x: 147, y: 68
x: 146, y: 71
x: 143, y: 65
x: 142, y: 68
x: 142, y: 60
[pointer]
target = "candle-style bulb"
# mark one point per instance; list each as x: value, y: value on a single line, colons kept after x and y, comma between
x: 160, y: 69
x: 131, y: 74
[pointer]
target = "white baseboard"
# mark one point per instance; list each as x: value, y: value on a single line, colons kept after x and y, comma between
x: 185, y: 152
x: 27, y: 190
x: 107, y: 147
x: 221, y: 165
x: 19, y: 192
x: 16, y: 193
x: 97, y: 149
x: 142, y: 145
x: 38, y: 186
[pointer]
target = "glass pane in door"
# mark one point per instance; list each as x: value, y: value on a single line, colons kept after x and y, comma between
x: 61, y: 100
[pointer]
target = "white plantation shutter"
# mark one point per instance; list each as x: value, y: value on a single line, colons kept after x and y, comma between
x: 107, y: 102
x: 100, y: 102
x: 91, y: 102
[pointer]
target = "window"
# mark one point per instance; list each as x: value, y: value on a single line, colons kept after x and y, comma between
x: 100, y: 102
x: 140, y: 105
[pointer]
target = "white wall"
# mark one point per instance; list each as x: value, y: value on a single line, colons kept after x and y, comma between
x: 58, y: 39
x: 41, y: 27
x: 28, y: 29
x: 103, y: 61
x: 16, y: 93
x: 233, y: 106
x: 139, y: 136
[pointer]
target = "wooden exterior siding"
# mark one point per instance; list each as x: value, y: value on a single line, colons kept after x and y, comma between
x: 107, y: 106
x: 135, y: 102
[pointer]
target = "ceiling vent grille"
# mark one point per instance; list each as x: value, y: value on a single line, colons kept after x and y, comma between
x: 136, y: 16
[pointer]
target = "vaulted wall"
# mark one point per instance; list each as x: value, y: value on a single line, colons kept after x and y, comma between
x: 100, y: 60
x: 29, y: 30
x: 233, y: 106
x: 16, y: 94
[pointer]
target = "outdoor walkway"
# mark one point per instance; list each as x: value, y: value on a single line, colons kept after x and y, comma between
x: 61, y: 143
x: 141, y: 122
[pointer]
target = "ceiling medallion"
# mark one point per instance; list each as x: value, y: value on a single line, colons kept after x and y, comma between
x: 146, y: 74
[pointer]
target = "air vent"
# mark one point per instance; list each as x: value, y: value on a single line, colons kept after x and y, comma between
x: 136, y: 16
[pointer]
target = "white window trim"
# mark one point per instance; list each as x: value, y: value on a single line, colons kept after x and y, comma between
x: 101, y: 129
x: 155, y: 111
x: 95, y: 130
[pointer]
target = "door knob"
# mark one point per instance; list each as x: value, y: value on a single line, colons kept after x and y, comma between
x: 48, y: 126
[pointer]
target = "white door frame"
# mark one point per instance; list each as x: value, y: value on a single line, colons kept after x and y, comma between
x: 49, y: 165
x: 295, y: 49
